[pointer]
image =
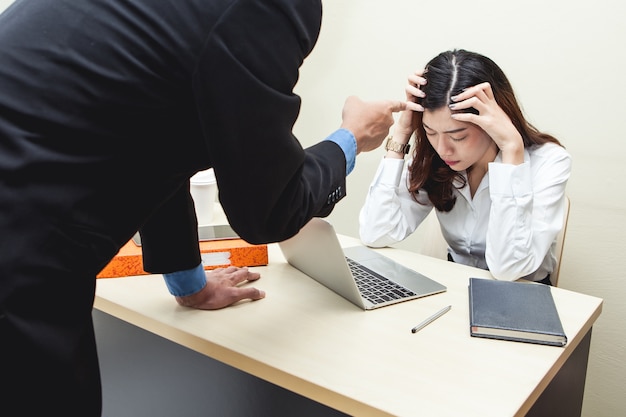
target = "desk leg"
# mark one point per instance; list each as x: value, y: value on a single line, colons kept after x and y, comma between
x: 564, y: 395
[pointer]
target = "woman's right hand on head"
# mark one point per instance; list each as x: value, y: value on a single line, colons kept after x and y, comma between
x: 414, y: 91
x: 407, y: 122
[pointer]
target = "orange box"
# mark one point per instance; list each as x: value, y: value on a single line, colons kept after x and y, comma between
x: 215, y: 254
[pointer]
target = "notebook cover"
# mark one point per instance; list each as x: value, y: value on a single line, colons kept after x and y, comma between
x: 215, y: 254
x: 516, y: 311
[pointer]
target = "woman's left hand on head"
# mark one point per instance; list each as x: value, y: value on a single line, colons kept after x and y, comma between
x: 491, y: 118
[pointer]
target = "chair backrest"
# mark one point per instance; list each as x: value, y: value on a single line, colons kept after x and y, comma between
x: 560, y: 241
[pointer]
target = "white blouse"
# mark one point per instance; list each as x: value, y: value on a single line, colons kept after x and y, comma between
x: 509, y: 227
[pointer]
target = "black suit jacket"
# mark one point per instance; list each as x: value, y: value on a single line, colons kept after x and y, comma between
x: 107, y: 107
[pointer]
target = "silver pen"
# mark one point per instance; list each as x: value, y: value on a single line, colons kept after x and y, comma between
x: 430, y: 319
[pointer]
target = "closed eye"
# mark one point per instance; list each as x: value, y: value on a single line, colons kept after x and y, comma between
x: 458, y: 139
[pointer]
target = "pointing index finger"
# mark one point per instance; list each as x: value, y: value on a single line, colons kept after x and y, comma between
x: 396, y: 105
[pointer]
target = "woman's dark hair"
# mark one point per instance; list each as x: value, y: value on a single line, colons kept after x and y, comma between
x: 447, y: 75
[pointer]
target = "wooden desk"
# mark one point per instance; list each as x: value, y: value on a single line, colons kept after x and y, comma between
x: 307, y: 339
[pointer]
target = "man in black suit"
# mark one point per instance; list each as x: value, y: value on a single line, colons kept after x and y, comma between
x: 107, y: 108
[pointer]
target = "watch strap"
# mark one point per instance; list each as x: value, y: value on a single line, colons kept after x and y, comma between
x: 391, y: 145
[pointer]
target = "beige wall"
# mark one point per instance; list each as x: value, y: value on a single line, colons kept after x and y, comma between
x: 566, y: 61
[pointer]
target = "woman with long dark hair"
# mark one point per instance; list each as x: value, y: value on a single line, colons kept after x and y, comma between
x: 496, y: 182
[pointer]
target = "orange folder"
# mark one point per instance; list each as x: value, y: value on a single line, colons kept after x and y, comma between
x: 215, y: 254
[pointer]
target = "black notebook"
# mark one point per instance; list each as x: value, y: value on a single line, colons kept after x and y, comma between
x: 517, y: 311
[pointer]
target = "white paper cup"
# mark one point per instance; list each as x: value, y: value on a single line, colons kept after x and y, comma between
x: 203, y: 192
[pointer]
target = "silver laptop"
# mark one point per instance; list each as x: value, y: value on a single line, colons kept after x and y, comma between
x: 359, y: 274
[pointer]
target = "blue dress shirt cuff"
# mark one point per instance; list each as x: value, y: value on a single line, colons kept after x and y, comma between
x: 347, y: 142
x: 187, y: 282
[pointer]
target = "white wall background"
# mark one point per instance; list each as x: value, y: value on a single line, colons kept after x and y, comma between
x: 566, y: 62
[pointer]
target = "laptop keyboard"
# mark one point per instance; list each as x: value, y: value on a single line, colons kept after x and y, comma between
x: 374, y: 287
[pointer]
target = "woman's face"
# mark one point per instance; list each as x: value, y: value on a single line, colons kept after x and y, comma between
x: 459, y: 144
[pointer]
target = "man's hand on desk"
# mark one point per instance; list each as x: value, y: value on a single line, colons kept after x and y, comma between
x: 222, y: 289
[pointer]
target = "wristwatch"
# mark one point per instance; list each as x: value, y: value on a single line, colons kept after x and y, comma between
x: 397, y: 147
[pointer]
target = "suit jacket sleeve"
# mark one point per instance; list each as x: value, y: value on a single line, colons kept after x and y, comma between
x: 170, y: 236
x: 268, y: 185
